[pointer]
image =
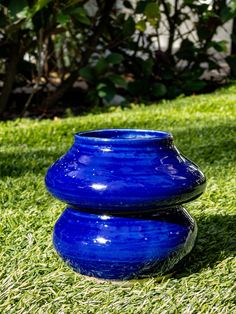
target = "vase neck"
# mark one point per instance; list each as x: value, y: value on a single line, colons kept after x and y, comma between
x: 123, y: 138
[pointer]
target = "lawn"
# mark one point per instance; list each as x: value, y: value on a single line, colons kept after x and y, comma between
x: 32, y: 277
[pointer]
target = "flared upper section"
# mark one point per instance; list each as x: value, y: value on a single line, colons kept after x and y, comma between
x: 124, y: 171
x: 123, y: 137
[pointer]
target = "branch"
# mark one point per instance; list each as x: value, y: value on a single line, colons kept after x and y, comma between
x: 16, y: 53
x: 91, y: 45
x: 172, y: 23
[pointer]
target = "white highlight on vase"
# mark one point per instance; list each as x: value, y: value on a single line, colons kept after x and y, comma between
x: 101, y: 240
x: 98, y: 186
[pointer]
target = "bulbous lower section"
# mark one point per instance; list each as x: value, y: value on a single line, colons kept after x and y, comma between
x: 121, y: 171
x: 127, y: 247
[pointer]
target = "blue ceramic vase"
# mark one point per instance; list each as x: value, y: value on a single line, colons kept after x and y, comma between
x: 124, y: 189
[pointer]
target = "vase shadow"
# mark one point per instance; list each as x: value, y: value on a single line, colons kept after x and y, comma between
x: 215, y: 242
x: 212, y: 152
x: 34, y: 161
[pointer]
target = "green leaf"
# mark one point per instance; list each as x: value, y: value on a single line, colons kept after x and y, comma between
x: 128, y: 27
x: 168, y: 74
x: 188, y: 2
x: 143, y: 67
x: 147, y: 66
x: 128, y: 4
x: 87, y: 74
x: 101, y: 66
x: 62, y: 18
x: 173, y: 91
x: 92, y: 97
x: 213, y: 65
x: 233, y: 37
x: 100, y: 88
x: 17, y: 8
x: 138, y: 87
x: 158, y: 90
x: 106, y: 91
x: 192, y: 74
x: 231, y: 60
x: 186, y: 50
x: 220, y: 46
x: 114, y: 58
x: 24, y: 14
x: 118, y: 80
x: 195, y: 86
x: 228, y: 11
x: 39, y: 5
x: 80, y: 14
x: 226, y: 14
x: 141, y: 5
x: 141, y: 25
x: 3, y: 21
x: 70, y: 3
x: 152, y: 11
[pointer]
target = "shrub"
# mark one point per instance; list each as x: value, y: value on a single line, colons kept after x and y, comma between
x: 109, y: 48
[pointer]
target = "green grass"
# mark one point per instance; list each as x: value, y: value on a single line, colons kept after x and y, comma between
x: 32, y: 277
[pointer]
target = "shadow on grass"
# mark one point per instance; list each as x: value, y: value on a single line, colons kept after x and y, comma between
x: 215, y: 144
x: 210, y: 151
x: 216, y: 241
x: 18, y: 164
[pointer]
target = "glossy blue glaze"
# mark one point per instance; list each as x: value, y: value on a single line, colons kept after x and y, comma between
x: 123, y: 171
x: 124, y: 189
x: 114, y: 247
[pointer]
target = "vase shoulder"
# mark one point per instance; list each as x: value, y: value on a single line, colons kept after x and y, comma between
x: 124, y: 174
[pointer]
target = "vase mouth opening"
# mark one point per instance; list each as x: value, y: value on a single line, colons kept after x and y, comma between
x: 127, y: 136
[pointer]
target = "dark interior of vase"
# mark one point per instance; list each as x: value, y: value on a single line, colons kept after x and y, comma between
x: 125, y: 134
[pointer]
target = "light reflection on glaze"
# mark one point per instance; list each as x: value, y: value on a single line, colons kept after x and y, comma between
x: 101, y: 240
x: 98, y: 186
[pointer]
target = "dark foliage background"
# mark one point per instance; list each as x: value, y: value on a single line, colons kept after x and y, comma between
x: 86, y: 54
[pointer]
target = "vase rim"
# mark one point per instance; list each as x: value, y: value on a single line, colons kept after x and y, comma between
x: 123, y: 136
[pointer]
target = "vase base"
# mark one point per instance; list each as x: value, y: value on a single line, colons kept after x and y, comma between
x: 127, y: 282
